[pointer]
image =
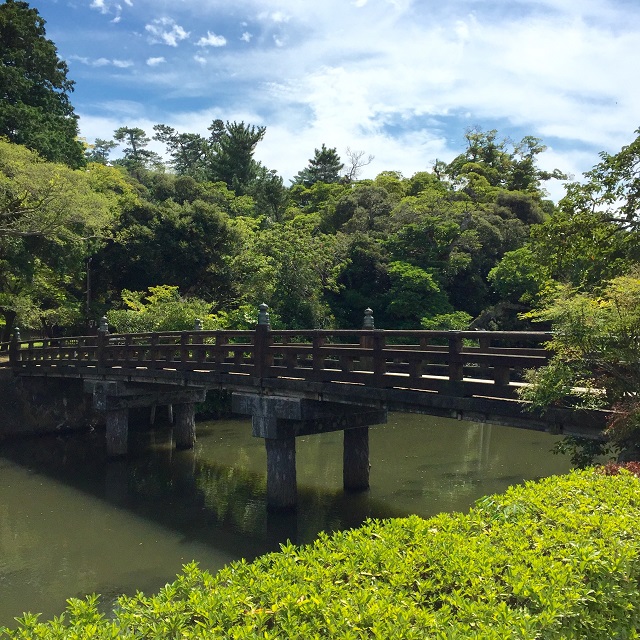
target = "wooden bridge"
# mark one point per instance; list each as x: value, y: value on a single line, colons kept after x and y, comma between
x: 296, y: 382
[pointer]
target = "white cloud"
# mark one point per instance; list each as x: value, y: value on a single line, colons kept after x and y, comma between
x: 100, y: 5
x: 102, y: 62
x: 402, y: 79
x: 154, y: 62
x: 109, y: 6
x: 166, y: 31
x: 274, y: 16
x: 212, y: 40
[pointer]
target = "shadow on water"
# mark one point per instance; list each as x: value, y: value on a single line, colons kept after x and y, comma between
x: 73, y: 522
x: 204, y: 501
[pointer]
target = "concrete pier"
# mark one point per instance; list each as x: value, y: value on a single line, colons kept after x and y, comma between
x: 280, y: 419
x: 356, y: 465
x: 117, y: 432
x: 184, y: 430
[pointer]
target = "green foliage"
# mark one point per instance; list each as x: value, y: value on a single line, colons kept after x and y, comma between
x: 35, y: 110
x: 50, y: 218
x: 612, y: 188
x: 596, y: 360
x: 290, y: 266
x: 47, y: 199
x: 413, y: 294
x: 160, y: 309
x: 99, y: 151
x: 190, y: 246
x: 230, y: 155
x: 583, y: 451
x: 325, y: 166
x: 136, y: 156
x: 554, y: 559
x: 187, y: 150
x: 456, y: 321
x: 489, y: 162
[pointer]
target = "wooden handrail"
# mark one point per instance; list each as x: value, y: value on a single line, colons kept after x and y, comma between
x: 460, y: 363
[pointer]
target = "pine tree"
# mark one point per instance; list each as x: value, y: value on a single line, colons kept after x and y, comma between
x: 325, y: 166
x: 35, y: 110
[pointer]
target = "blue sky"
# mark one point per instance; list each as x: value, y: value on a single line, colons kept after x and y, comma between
x: 398, y: 79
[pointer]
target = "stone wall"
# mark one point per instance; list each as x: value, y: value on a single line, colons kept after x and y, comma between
x: 42, y: 405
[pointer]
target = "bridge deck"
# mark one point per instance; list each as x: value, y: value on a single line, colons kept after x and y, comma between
x: 466, y: 374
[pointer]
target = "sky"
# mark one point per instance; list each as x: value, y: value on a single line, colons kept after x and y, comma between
x: 401, y: 80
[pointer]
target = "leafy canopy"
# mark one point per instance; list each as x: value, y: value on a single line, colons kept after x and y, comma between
x: 596, y: 361
x: 35, y: 109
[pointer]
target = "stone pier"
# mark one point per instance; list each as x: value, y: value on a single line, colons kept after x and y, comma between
x: 184, y: 430
x: 279, y: 420
x: 115, y: 398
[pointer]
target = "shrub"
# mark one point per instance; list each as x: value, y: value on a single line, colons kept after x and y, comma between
x: 557, y: 558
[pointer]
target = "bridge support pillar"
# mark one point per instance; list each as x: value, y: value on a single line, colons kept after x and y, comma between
x: 184, y: 430
x: 282, y: 491
x: 355, y: 460
x: 117, y: 432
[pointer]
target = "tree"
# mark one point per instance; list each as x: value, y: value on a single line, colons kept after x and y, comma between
x: 51, y: 217
x: 596, y: 357
x: 99, y: 151
x: 356, y: 162
x: 612, y: 187
x: 136, y: 155
x: 489, y: 162
x: 269, y: 193
x: 35, y: 110
x: 325, y: 166
x: 230, y: 159
x: 187, y: 150
x: 161, y: 308
x: 46, y: 199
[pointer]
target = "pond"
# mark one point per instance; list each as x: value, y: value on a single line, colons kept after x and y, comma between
x: 73, y: 522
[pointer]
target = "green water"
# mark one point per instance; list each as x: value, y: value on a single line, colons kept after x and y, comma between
x: 73, y: 523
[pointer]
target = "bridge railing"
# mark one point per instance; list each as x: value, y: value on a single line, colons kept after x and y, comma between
x: 461, y: 363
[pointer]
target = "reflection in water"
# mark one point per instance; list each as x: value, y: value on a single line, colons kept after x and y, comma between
x: 72, y: 522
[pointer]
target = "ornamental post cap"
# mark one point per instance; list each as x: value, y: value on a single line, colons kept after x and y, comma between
x: 368, y: 322
x: 197, y: 324
x: 104, y: 324
x: 263, y: 314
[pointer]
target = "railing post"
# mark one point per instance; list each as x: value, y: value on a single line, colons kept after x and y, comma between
x: 318, y: 358
x: 379, y: 361
x: 184, y: 348
x: 366, y: 341
x: 103, y: 338
x: 262, y: 342
x: 456, y: 368
x: 14, y: 347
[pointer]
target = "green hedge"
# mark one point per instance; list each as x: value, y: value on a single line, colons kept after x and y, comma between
x: 559, y: 558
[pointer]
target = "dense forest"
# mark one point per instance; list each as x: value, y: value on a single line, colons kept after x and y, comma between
x: 208, y: 232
